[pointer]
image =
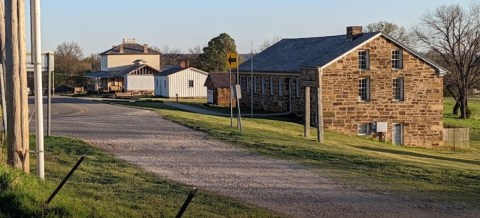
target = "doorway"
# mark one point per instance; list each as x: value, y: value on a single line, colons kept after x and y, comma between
x: 397, y: 134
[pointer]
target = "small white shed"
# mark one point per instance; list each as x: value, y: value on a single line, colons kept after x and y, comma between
x: 184, y: 82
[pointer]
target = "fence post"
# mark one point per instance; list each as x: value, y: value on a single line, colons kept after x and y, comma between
x: 186, y: 203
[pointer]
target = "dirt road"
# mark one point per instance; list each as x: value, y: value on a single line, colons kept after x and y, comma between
x: 187, y: 156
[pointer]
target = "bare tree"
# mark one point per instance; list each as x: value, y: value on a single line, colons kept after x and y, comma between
x: 69, y: 63
x: 17, y: 137
x: 267, y: 43
x: 390, y: 29
x: 452, y: 34
x: 170, y: 56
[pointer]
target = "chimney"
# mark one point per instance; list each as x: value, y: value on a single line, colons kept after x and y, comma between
x: 184, y: 64
x: 354, y: 32
x: 121, y: 48
x: 145, y: 48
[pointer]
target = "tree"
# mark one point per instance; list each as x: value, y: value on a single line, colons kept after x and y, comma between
x: 170, y: 56
x: 390, y: 29
x: 452, y: 35
x: 267, y: 43
x: 214, y: 55
x: 16, y: 85
x: 70, y: 64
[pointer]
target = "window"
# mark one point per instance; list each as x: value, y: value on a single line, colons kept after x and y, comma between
x: 190, y: 83
x: 165, y: 83
x: 364, y: 129
x: 397, y: 59
x: 363, y: 60
x: 156, y: 83
x: 297, y: 87
x: 280, y: 86
x: 248, y: 83
x: 364, y: 89
x: 398, y: 89
x: 263, y: 85
x: 255, y: 84
x: 271, y: 86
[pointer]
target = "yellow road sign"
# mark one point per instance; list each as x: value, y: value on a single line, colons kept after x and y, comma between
x: 232, y: 59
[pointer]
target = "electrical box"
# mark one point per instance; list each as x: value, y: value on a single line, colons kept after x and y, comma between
x: 381, y: 126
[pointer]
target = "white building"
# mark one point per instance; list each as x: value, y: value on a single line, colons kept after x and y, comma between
x: 181, y: 82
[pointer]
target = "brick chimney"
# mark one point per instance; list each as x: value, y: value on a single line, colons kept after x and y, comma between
x: 354, y: 32
x: 121, y: 48
x: 184, y: 64
x: 145, y: 48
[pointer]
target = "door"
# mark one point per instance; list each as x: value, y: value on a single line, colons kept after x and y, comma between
x: 397, y: 134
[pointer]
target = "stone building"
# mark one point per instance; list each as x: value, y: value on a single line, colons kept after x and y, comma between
x: 370, y: 84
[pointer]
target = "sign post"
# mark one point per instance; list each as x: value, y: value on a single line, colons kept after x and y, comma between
x: 231, y: 63
x: 235, y: 91
x: 312, y: 78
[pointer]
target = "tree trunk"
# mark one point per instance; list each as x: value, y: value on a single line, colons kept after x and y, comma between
x: 17, y: 155
x: 456, y: 107
x: 463, y: 105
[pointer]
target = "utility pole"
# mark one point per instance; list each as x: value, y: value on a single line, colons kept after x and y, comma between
x: 251, y: 77
x: 37, y: 40
x: 17, y: 125
x: 2, y: 68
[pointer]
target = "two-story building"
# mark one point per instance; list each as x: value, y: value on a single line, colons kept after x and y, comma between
x: 128, y: 67
x: 368, y: 82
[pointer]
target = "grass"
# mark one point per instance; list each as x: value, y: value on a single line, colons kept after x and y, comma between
x: 104, y: 187
x: 428, y: 173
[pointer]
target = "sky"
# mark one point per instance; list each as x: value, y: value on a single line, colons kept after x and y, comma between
x: 97, y: 25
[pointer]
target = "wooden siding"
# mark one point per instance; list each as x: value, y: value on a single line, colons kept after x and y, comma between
x: 139, y: 83
x: 178, y: 83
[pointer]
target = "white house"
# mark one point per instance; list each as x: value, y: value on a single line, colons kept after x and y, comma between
x: 128, y: 67
x: 181, y: 82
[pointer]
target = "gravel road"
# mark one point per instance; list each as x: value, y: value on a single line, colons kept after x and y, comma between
x: 187, y: 156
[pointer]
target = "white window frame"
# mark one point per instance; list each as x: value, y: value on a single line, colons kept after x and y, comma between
x: 255, y: 90
x: 280, y: 86
x: 397, y: 59
x: 398, y: 89
x: 402, y: 129
x: 363, y: 129
x: 364, y: 88
x: 363, y: 60
x: 297, y: 87
x: 263, y: 85
x: 272, y: 90
x: 192, y: 82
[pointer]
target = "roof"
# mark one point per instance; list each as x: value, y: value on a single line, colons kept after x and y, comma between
x: 177, y: 69
x: 291, y: 55
x: 118, y: 72
x: 129, y: 48
x: 220, y: 80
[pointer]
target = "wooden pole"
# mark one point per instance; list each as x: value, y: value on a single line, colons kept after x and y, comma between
x: 16, y: 154
x: 319, y: 112
x: 306, y: 128
x: 2, y: 68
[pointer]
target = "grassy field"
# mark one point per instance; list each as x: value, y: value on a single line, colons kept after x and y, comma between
x: 433, y: 174
x: 103, y: 187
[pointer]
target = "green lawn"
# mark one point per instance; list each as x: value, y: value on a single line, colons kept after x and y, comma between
x: 104, y: 187
x: 430, y: 173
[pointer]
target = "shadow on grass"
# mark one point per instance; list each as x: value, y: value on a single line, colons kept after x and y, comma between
x: 413, y: 154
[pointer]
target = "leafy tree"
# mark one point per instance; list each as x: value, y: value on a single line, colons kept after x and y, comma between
x: 451, y: 34
x: 214, y: 55
x: 390, y: 29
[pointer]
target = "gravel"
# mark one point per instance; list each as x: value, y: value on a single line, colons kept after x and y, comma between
x: 190, y: 157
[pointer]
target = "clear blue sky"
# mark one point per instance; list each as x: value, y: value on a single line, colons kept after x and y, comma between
x: 96, y: 25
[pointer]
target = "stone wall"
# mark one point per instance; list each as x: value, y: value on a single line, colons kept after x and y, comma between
x: 221, y: 96
x: 420, y: 112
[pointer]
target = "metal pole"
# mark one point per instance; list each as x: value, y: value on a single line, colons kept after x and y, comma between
x: 306, y: 128
x: 49, y: 104
x: 35, y: 5
x: 186, y: 203
x: 251, y: 78
x: 231, y: 93
x: 239, y: 116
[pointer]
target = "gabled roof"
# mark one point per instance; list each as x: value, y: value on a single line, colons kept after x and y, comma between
x: 129, y: 48
x: 220, y: 80
x: 177, y: 69
x: 119, y: 72
x: 291, y: 55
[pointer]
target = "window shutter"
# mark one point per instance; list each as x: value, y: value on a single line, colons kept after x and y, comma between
x: 400, y: 85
